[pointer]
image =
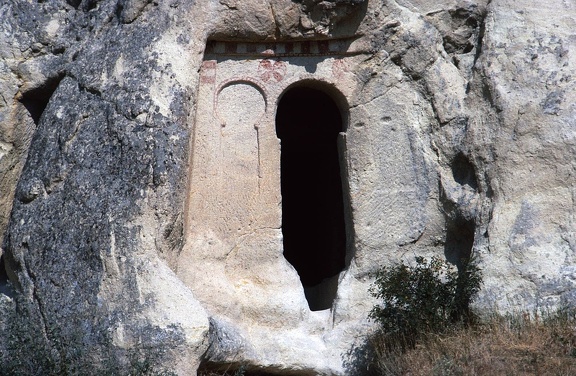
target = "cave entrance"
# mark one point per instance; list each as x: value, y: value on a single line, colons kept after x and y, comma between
x: 308, y: 122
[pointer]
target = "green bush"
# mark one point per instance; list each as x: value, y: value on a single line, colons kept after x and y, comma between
x: 426, y: 298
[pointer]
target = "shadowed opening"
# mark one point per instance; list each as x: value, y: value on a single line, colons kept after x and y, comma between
x: 464, y: 172
x: 3, y: 274
x: 459, y: 240
x: 459, y: 230
x: 308, y: 122
x: 37, y: 99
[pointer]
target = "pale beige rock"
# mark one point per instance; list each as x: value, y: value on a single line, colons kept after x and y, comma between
x: 527, y: 62
x: 459, y: 137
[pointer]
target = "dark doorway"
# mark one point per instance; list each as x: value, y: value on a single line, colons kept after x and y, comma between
x: 308, y: 122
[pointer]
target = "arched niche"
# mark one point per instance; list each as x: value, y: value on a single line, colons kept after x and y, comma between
x: 309, y: 119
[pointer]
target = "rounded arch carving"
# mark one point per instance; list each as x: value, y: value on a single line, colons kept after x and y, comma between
x: 240, y: 99
x: 327, y: 88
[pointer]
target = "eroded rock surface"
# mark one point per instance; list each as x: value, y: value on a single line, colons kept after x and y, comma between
x: 140, y: 177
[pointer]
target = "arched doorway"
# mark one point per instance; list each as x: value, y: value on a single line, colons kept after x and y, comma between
x: 308, y: 122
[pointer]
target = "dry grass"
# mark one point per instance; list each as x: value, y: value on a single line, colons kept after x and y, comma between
x: 510, y: 345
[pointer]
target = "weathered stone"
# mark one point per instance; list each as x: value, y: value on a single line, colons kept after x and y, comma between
x: 141, y: 179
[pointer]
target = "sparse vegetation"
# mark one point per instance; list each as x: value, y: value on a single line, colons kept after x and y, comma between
x: 427, y: 328
x: 429, y: 297
x: 518, y: 344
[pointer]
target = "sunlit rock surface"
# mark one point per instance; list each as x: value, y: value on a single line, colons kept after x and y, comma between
x: 141, y: 187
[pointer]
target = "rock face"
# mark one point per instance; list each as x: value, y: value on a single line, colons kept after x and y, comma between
x: 145, y: 173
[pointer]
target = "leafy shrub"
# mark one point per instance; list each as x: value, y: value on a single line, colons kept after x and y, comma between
x: 426, y: 298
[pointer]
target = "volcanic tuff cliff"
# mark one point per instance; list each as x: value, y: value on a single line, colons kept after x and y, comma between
x: 143, y: 170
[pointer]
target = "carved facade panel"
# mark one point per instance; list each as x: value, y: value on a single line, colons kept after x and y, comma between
x: 234, y: 208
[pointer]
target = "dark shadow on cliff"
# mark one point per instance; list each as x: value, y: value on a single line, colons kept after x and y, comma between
x: 5, y: 285
x: 360, y: 359
x: 37, y: 99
